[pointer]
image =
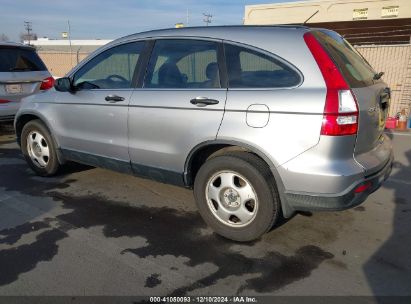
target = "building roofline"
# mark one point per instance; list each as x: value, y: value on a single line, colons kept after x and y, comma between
x: 66, y: 42
x: 15, y: 44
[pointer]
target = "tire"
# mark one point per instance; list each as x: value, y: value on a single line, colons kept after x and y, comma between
x: 227, y: 184
x: 36, y: 141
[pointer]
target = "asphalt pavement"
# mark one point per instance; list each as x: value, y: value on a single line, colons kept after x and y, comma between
x: 94, y: 232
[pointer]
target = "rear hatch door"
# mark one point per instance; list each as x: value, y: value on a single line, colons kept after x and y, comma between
x: 21, y: 72
x: 372, y: 149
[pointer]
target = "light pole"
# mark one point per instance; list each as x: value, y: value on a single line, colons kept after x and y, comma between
x: 207, y: 18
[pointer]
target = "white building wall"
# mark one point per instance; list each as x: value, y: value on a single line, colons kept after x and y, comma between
x: 328, y: 11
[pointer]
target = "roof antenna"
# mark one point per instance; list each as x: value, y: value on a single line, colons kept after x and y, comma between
x: 311, y: 17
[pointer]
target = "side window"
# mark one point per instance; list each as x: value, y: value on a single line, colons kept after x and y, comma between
x: 251, y: 69
x: 183, y: 64
x: 112, y: 69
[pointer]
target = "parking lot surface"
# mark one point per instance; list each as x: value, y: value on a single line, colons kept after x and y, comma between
x: 90, y: 231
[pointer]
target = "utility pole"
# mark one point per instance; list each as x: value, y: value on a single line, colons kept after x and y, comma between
x: 207, y: 18
x: 187, y: 17
x: 69, y: 36
x: 27, y: 26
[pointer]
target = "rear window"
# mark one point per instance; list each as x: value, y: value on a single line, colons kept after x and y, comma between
x: 355, y: 69
x: 14, y: 59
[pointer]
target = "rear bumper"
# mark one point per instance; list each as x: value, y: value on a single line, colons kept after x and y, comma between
x: 343, y: 200
x: 8, y: 110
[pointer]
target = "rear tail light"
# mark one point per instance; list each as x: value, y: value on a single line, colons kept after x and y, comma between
x: 363, y: 187
x: 4, y: 101
x: 47, y: 84
x: 341, y: 109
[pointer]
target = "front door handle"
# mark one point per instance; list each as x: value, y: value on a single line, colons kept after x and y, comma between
x: 203, y: 101
x: 114, y: 98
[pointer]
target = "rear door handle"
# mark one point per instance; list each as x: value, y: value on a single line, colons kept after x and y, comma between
x: 203, y: 101
x: 114, y: 98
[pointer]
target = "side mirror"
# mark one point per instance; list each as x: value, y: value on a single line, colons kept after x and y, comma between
x: 64, y: 85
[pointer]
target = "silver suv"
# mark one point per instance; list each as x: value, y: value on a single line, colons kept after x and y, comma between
x: 261, y: 122
x: 21, y: 73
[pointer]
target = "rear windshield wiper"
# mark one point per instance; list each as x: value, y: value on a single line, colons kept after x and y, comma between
x: 378, y: 75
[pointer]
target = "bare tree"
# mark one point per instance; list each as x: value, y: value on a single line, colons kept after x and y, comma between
x: 3, y: 37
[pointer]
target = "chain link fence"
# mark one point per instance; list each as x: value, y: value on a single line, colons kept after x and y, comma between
x: 59, y: 63
x: 395, y: 62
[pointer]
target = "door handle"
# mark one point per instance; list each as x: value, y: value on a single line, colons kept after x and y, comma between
x: 114, y: 98
x: 203, y: 101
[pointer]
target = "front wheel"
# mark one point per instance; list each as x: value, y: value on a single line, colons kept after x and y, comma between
x: 38, y: 148
x: 237, y: 196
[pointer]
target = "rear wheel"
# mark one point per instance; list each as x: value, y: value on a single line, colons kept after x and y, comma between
x: 236, y: 195
x: 38, y: 148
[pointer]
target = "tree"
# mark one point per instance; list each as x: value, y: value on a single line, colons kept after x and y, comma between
x: 3, y: 37
x: 25, y: 36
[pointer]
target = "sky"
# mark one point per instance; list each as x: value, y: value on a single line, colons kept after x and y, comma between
x: 110, y: 19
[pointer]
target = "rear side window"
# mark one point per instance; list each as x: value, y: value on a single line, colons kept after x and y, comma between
x: 14, y: 59
x: 355, y: 69
x: 251, y: 69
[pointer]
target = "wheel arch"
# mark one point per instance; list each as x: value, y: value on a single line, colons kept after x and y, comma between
x: 204, y: 150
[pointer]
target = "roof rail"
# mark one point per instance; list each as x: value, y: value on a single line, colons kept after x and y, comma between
x: 212, y: 27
